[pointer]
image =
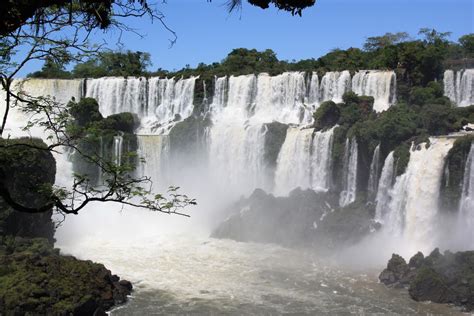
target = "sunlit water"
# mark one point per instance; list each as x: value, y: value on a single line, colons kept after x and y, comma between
x: 188, y: 273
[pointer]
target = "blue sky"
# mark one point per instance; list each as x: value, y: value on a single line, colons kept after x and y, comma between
x: 207, y: 32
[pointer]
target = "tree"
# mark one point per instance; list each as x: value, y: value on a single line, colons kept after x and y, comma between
x: 117, y: 64
x: 51, y: 69
x: 58, y: 32
x: 467, y: 43
x: 377, y: 42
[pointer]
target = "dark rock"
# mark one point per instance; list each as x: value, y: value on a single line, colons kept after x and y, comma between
x: 440, y: 278
x: 304, y: 218
x: 416, y: 261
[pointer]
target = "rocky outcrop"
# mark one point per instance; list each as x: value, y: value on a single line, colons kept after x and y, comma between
x: 27, y: 172
x: 440, y: 278
x: 36, y: 280
x: 304, y: 219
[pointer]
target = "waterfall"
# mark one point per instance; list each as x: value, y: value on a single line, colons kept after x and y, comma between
x: 385, y: 183
x: 157, y: 102
x: 219, y: 100
x: 118, y: 141
x: 169, y: 100
x: 313, y: 91
x: 466, y: 207
x: 281, y: 98
x: 321, y: 160
x: 154, y: 150
x: 60, y: 90
x: 333, y: 85
x: 459, y: 86
x: 374, y: 174
x: 414, y: 198
x: 348, y: 194
x: 378, y: 84
x: 293, y: 163
x: 117, y: 94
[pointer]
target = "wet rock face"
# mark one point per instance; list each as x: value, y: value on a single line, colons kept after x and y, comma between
x: 303, y: 219
x: 440, y: 278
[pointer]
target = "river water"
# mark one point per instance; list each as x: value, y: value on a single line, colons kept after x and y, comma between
x: 187, y: 273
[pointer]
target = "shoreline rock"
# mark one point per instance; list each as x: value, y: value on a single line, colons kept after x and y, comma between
x: 441, y: 278
x: 35, y: 279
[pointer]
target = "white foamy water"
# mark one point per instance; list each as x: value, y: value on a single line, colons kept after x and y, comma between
x: 459, y: 86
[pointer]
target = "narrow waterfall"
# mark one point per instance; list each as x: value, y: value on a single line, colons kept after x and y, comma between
x: 466, y: 207
x: 321, y: 160
x: 117, y: 95
x: 219, y: 100
x: 154, y: 152
x: 385, y: 183
x: 414, y: 199
x: 281, y: 98
x: 459, y: 86
x: 348, y: 194
x: 374, y: 174
x: 313, y: 91
x: 294, y: 163
x: 333, y: 85
x: 379, y: 84
x: 118, y: 142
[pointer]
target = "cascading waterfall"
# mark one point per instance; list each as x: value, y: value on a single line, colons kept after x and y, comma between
x: 117, y: 94
x: 158, y: 102
x: 374, y: 174
x: 321, y: 160
x: 466, y: 206
x: 413, y: 207
x: 281, y: 98
x: 169, y: 100
x: 294, y: 161
x: 385, y: 183
x: 379, y: 84
x: 333, y: 85
x: 348, y: 194
x: 459, y: 86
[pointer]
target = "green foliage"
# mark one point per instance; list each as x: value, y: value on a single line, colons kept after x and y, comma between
x: 389, y: 39
x: 85, y: 111
x: 467, y: 44
x: 327, y: 115
x: 120, y: 64
x: 52, y: 69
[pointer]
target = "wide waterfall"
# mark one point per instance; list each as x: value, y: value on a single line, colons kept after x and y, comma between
x: 158, y: 102
x: 413, y: 206
x: 59, y: 90
x: 348, y: 193
x: 374, y: 174
x: 459, y: 86
x: 379, y: 84
x: 333, y: 85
